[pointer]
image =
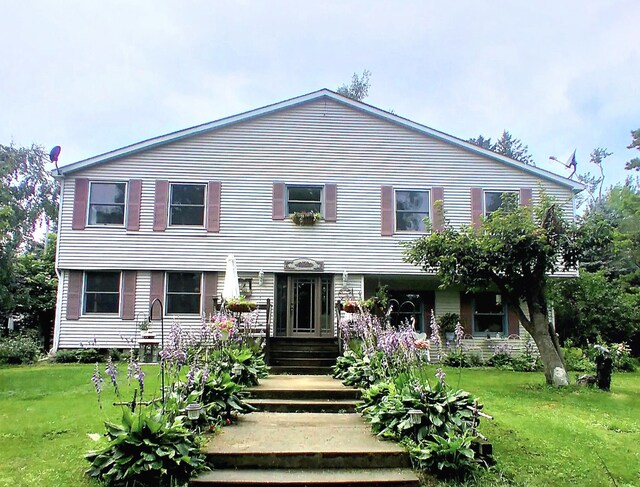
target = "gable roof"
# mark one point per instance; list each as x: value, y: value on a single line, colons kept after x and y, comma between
x: 423, y: 129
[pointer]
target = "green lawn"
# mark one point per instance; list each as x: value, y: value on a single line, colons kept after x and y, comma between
x: 541, y: 436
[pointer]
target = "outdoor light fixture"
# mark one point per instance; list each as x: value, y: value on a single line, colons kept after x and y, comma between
x: 236, y: 370
x: 415, y: 415
x: 345, y: 279
x: 193, y: 411
x: 260, y: 277
x: 498, y: 299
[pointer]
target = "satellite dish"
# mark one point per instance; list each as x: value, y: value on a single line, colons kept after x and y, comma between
x: 54, y: 154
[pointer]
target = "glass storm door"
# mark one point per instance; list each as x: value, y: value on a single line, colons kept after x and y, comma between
x: 310, y: 306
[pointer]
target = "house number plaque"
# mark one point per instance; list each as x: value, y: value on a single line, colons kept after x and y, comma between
x: 304, y: 265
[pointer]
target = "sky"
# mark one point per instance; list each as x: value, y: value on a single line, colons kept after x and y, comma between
x: 96, y: 76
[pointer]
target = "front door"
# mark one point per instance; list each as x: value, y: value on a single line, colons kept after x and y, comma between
x: 309, y: 301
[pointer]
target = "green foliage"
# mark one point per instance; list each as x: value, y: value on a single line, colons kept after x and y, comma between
x: 359, y: 370
x: 507, y: 145
x: 19, y: 348
x: 28, y: 195
x: 79, y: 355
x: 249, y: 364
x: 146, y: 449
x: 359, y: 88
x: 223, y: 397
x: 448, y: 322
x: 592, y: 306
x: 443, y: 410
x: 450, y: 455
x: 457, y: 358
x: 34, y: 286
x: 634, y: 164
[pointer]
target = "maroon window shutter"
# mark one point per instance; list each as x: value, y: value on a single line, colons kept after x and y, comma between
x: 74, y: 295
x: 278, y: 201
x: 476, y: 207
x: 133, y: 212
x: 80, y: 202
x: 330, y: 203
x: 513, y: 322
x: 210, y: 292
x: 437, y: 218
x: 128, y: 301
x: 160, y: 206
x: 157, y: 292
x: 213, y: 206
x: 466, y: 312
x: 386, y: 211
x: 526, y: 194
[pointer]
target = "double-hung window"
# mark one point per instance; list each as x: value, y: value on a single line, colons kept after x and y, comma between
x: 107, y: 203
x: 489, y: 314
x: 304, y: 198
x: 187, y: 204
x: 183, y: 293
x: 412, y: 207
x: 101, y: 292
x: 495, y: 199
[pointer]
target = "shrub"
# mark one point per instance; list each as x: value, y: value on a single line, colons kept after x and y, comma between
x: 500, y: 360
x: 145, y: 449
x: 457, y: 358
x: 450, y: 455
x: 20, y: 348
x: 66, y: 356
x: 443, y: 410
x: 89, y: 356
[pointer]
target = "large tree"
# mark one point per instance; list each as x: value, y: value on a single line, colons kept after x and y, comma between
x: 359, y: 88
x: 507, y: 145
x: 28, y: 197
x: 514, y: 251
x: 635, y: 144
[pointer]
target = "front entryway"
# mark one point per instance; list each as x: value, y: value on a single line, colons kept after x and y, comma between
x: 304, y: 306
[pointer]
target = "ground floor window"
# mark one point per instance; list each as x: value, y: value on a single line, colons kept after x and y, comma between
x: 183, y: 293
x: 407, y: 307
x: 489, y: 314
x: 101, y: 292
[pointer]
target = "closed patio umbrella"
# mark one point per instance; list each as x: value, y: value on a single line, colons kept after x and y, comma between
x: 231, y: 289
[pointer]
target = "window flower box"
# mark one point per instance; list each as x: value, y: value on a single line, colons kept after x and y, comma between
x: 305, y: 218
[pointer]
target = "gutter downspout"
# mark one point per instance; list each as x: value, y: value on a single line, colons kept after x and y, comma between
x: 58, y: 321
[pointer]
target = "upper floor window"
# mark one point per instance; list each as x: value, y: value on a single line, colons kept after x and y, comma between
x: 304, y: 198
x: 187, y: 204
x: 412, y: 207
x: 494, y: 200
x: 101, y: 292
x: 183, y: 293
x: 106, y: 203
x: 489, y: 314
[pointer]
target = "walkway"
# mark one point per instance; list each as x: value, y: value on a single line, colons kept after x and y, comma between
x: 301, y: 448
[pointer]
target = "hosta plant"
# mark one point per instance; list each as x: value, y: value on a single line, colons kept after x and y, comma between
x: 449, y: 455
x: 145, y: 449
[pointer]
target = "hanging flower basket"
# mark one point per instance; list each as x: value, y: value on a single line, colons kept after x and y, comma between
x: 305, y: 218
x: 241, y: 306
x: 350, y: 306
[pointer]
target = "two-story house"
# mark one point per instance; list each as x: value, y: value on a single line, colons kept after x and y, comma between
x: 157, y: 219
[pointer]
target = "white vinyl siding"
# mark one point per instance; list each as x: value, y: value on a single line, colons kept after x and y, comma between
x: 308, y: 144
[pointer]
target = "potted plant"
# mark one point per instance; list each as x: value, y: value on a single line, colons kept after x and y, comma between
x: 144, y: 326
x: 350, y: 305
x: 305, y: 218
x: 240, y: 305
x: 448, y: 322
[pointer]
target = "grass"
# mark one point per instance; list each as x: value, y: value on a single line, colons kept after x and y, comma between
x: 46, y: 413
x: 541, y: 436
x: 545, y: 436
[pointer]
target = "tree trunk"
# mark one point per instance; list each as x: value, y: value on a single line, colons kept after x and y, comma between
x: 538, y: 327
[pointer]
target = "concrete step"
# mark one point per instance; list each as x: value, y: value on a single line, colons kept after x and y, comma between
x: 302, y: 362
x: 304, y: 405
x: 301, y: 370
x: 264, y: 392
x: 383, y: 477
x: 302, y: 441
x: 309, y: 460
x: 304, y: 353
